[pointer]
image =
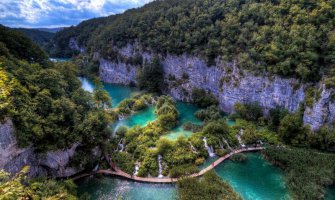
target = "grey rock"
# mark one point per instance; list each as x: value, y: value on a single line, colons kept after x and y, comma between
x: 226, y: 80
x: 13, y: 158
x: 322, y: 112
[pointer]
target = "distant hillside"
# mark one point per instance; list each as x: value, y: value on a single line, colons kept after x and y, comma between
x: 50, y: 30
x: 40, y: 37
x: 286, y: 38
x: 17, y: 44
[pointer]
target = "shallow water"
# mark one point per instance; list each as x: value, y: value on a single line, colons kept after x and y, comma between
x: 255, y: 179
x: 117, y: 92
x: 140, y: 118
x: 111, y: 188
x: 186, y: 114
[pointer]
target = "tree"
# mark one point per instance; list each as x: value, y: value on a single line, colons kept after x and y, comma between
x: 151, y: 76
x: 101, y: 97
x: 18, y: 187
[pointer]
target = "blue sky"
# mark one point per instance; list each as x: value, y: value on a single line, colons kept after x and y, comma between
x: 58, y: 13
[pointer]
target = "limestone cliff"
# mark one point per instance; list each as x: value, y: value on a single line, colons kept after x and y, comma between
x: 13, y: 158
x: 225, y: 80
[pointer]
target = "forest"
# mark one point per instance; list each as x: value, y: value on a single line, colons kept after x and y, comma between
x: 281, y: 37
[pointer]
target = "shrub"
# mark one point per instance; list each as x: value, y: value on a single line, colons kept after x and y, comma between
x: 250, y: 111
x: 203, y: 99
x: 183, y: 170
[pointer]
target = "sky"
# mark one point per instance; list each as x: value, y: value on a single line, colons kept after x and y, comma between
x: 59, y: 13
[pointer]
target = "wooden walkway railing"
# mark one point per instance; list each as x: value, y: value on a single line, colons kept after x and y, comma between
x: 123, y: 174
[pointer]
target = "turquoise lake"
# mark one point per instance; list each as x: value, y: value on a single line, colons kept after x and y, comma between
x: 254, y: 179
x: 117, y: 92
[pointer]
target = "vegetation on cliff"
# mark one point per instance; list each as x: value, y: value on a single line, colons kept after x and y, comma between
x: 19, y: 187
x: 288, y: 38
x: 49, y: 109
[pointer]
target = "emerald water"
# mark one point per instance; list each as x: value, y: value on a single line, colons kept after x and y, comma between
x: 117, y: 92
x: 103, y: 188
x: 140, y: 118
x: 255, y: 179
x: 186, y: 114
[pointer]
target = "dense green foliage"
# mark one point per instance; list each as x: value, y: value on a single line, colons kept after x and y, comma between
x: 251, y: 111
x: 151, y: 76
x: 45, y: 101
x: 307, y: 171
x: 13, y: 43
x: 124, y: 160
x: 203, y: 98
x: 59, y: 47
x: 18, y: 187
x: 167, y: 112
x: 209, y: 114
x: 183, y: 170
x: 208, y: 188
x: 40, y: 37
x: 289, y: 38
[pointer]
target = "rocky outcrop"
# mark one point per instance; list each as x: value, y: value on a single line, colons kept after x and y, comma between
x: 57, y: 162
x: 121, y: 73
x: 13, y: 158
x: 225, y: 80
x: 73, y: 44
x: 323, y: 111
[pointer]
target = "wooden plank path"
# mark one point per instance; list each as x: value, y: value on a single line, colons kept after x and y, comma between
x: 123, y: 174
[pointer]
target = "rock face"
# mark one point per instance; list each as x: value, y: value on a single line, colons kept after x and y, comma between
x: 225, y: 80
x: 73, y: 44
x: 323, y: 111
x: 117, y: 72
x: 13, y: 158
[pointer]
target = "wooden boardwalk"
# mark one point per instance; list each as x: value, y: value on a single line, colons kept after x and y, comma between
x: 123, y: 174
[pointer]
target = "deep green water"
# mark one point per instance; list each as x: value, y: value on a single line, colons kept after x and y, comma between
x: 330, y: 193
x: 255, y: 179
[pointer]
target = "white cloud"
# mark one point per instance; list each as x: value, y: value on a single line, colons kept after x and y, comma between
x: 53, y: 12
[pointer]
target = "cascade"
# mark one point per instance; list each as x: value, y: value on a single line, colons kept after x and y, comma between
x: 209, y: 148
x: 240, y: 139
x: 137, y: 167
x: 121, y: 145
x: 160, y: 166
x: 96, y: 168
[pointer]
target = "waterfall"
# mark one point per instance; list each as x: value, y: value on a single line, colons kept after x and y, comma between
x: 160, y: 166
x: 137, y: 167
x: 96, y: 168
x: 209, y: 148
x: 121, y: 145
x: 115, y: 130
x: 240, y: 139
x: 121, y: 116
